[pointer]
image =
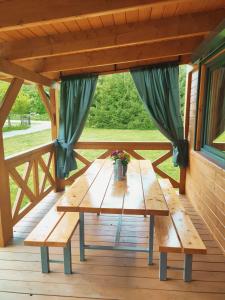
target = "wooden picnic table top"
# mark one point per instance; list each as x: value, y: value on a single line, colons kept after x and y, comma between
x: 96, y: 191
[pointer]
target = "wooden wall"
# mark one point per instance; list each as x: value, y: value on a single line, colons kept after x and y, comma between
x: 205, y: 181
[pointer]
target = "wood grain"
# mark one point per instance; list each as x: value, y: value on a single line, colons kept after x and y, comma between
x: 63, y: 231
x: 134, y: 201
x: 168, y: 240
x: 76, y: 193
x: 154, y: 199
x: 189, y: 237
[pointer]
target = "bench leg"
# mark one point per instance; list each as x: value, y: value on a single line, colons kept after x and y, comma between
x: 188, y: 267
x: 82, y: 253
x: 67, y: 259
x: 45, y: 260
x: 151, y: 240
x: 163, y: 266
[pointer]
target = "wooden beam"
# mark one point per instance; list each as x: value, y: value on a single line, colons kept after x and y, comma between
x: 24, y: 13
x: 118, y: 68
x: 198, y: 24
x: 23, y: 73
x: 113, y: 56
x: 45, y: 101
x: 9, y: 99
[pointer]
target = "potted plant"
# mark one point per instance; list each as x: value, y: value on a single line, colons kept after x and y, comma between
x: 120, y: 160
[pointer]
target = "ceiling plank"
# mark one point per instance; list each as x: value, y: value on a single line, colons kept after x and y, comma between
x: 197, y: 24
x: 17, y: 71
x: 113, y: 56
x: 23, y: 13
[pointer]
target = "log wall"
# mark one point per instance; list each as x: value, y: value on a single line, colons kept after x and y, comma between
x: 205, y: 181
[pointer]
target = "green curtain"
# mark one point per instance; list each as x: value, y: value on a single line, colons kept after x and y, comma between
x: 76, y: 95
x: 158, y: 87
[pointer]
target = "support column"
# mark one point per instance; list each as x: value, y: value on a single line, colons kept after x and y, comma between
x: 54, y: 130
x: 186, y: 127
x: 6, y: 224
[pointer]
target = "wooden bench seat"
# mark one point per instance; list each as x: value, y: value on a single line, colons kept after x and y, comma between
x: 176, y: 233
x: 54, y: 230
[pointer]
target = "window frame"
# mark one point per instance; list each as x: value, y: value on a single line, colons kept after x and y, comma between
x: 211, y: 152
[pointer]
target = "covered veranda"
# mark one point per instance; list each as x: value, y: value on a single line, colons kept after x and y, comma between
x: 40, y: 43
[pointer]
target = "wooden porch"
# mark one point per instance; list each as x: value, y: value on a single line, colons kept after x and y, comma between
x: 106, y: 274
x: 40, y: 44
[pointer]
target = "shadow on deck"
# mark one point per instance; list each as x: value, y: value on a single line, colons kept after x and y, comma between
x: 107, y: 274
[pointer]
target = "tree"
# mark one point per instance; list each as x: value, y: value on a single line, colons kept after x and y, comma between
x: 35, y: 100
x: 3, y: 88
x: 22, y: 104
x: 117, y: 105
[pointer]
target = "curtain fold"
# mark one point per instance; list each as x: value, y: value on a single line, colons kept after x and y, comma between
x: 76, y: 95
x: 158, y: 88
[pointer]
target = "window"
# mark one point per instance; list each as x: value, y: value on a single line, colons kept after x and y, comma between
x: 213, y: 133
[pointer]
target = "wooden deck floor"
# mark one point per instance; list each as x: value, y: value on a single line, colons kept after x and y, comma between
x: 106, y: 274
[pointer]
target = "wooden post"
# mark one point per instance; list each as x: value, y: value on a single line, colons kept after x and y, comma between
x: 54, y: 130
x: 186, y: 127
x: 6, y: 225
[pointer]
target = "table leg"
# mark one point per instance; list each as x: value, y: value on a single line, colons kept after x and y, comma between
x: 151, y: 240
x: 82, y: 254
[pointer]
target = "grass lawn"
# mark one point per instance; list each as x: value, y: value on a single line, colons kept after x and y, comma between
x: 25, y: 142
x: 15, y: 127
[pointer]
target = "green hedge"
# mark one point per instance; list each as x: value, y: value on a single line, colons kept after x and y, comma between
x: 117, y: 104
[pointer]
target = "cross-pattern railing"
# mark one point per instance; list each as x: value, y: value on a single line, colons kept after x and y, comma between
x: 32, y: 173
x: 131, y: 148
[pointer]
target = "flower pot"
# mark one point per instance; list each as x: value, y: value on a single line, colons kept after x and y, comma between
x: 118, y: 170
x: 124, y: 170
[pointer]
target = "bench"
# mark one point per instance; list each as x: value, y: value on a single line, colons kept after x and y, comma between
x: 176, y: 233
x: 54, y: 230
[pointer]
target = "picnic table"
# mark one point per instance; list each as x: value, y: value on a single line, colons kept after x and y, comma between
x: 96, y: 191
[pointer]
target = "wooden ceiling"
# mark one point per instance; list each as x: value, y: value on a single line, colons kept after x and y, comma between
x: 57, y: 37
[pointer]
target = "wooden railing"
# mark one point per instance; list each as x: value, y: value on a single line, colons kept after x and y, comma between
x: 131, y: 148
x: 32, y: 173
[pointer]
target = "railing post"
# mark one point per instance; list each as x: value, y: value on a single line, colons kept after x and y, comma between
x: 54, y: 130
x: 6, y: 225
x: 182, y: 181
